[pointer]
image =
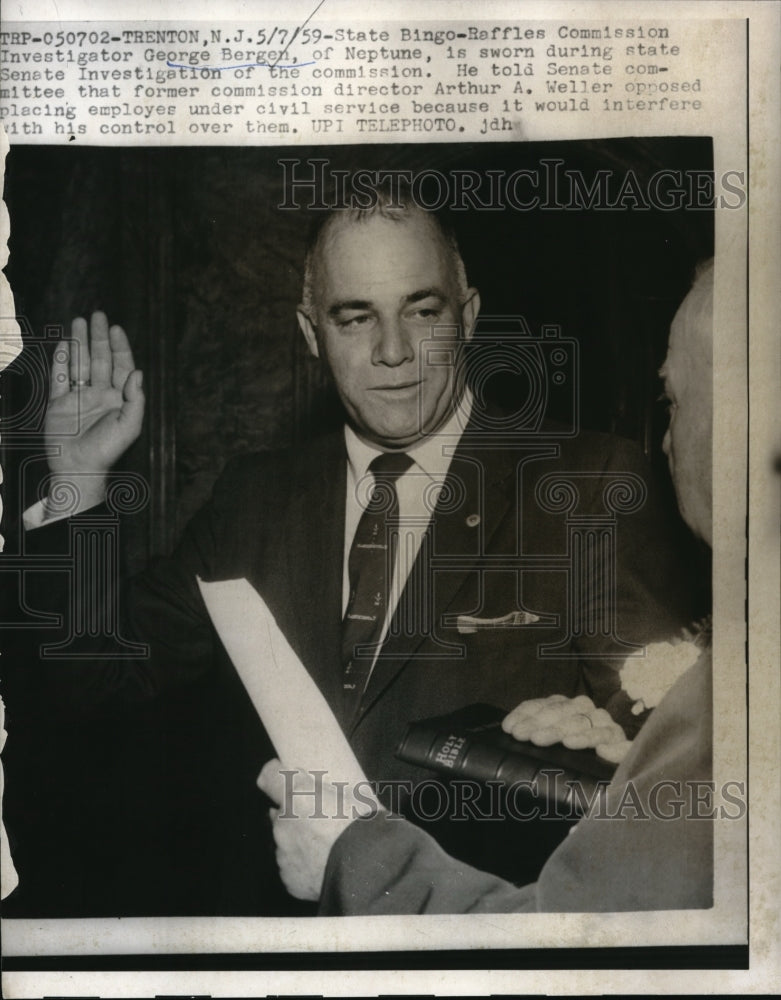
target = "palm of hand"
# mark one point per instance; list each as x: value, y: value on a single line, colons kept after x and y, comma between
x: 84, y: 431
x: 96, y: 405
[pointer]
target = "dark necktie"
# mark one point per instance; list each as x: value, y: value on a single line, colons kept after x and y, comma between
x: 370, y: 570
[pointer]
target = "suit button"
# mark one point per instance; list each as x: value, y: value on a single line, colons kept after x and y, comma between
x: 473, y: 520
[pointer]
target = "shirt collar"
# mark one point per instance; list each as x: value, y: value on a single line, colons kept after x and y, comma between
x: 431, y: 454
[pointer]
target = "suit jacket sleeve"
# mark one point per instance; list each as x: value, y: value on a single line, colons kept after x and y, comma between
x: 652, y: 595
x: 652, y: 848
x: 161, y: 636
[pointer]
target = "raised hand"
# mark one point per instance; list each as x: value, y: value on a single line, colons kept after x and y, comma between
x: 96, y: 406
x: 575, y: 722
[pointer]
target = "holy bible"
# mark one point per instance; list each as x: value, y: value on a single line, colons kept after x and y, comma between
x: 470, y: 745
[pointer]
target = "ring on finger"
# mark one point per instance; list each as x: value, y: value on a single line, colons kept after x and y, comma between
x: 582, y: 715
x: 78, y: 383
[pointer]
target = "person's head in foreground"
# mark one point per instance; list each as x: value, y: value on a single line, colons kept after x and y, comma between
x: 303, y: 843
x: 688, y: 384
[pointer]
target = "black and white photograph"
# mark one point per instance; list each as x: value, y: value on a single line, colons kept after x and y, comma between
x: 365, y: 529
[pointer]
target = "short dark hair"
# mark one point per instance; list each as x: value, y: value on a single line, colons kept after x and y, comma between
x: 389, y: 202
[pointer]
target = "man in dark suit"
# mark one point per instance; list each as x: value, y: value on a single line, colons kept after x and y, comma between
x: 649, y: 844
x: 528, y: 561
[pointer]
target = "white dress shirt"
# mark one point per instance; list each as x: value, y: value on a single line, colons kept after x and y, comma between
x: 417, y: 490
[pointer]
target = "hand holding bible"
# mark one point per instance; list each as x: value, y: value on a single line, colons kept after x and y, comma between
x: 575, y: 722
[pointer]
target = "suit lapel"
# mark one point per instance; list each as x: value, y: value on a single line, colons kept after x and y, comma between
x: 459, y: 534
x: 315, y: 542
x: 315, y: 547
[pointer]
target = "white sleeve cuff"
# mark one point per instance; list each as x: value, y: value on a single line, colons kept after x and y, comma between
x: 36, y: 517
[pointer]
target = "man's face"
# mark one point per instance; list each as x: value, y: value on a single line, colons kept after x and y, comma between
x: 380, y: 287
x: 687, y: 377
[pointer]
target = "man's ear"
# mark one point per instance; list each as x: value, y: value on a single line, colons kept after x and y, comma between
x: 469, y: 312
x: 308, y: 330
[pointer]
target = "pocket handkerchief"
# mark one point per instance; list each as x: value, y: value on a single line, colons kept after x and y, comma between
x: 467, y: 624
